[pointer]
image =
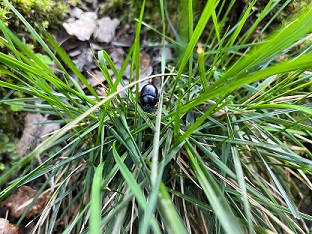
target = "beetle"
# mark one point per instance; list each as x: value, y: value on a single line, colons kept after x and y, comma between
x: 148, y: 97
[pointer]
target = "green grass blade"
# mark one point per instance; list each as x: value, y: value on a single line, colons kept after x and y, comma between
x: 95, y: 204
x: 213, y: 194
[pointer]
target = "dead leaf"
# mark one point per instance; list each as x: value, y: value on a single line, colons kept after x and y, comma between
x: 34, y: 133
x: 18, y: 203
x: 97, y: 78
x: 145, y: 65
x: 7, y: 228
x: 145, y: 69
x: 31, y: 134
x: 81, y: 24
x: 122, y: 94
x: 85, y: 61
x: 106, y: 29
x: 93, y: 2
x: 166, y: 50
x: 47, y: 129
x: 117, y: 55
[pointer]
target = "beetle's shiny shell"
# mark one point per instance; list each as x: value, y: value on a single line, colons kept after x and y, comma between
x: 148, y: 97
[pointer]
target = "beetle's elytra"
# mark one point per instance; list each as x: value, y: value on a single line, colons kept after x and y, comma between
x: 148, y: 97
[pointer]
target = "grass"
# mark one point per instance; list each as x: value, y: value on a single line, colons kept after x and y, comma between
x: 222, y: 153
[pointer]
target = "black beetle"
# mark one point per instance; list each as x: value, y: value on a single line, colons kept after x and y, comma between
x: 148, y: 97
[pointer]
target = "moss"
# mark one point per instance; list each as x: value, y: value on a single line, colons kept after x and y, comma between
x: 8, y: 154
x: 41, y: 14
x: 11, y: 128
x: 128, y: 11
x: 292, y: 8
x: 9, y: 134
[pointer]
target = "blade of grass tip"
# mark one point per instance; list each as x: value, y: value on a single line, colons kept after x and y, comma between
x: 201, y: 64
x: 95, y: 203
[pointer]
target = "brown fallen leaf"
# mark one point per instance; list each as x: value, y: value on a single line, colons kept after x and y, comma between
x: 17, y: 204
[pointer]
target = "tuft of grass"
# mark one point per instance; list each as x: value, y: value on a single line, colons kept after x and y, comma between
x: 222, y: 153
